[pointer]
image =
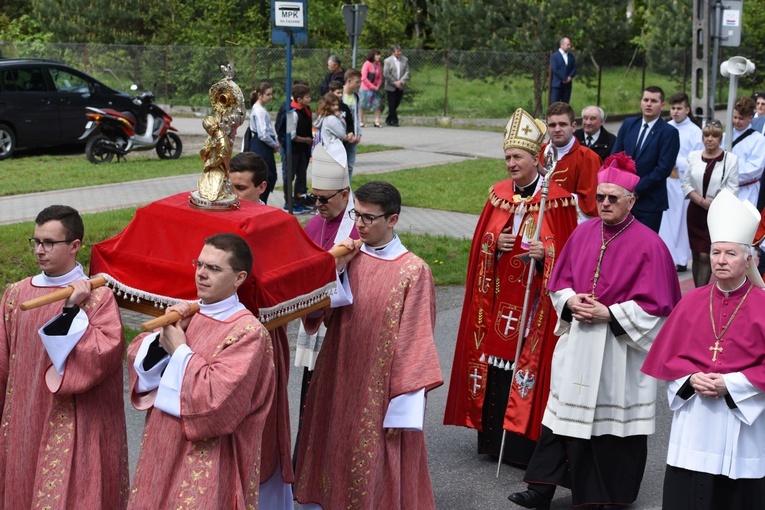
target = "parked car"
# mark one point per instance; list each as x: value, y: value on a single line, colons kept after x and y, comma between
x: 42, y: 103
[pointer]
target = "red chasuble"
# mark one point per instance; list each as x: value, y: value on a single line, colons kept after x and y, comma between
x: 686, y: 343
x: 63, y: 444
x: 577, y: 173
x: 151, y: 260
x: 376, y: 349
x: 210, y: 456
x: 493, y: 306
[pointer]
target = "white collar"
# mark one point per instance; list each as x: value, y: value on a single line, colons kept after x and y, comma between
x: 562, y: 151
x: 223, y: 309
x: 564, y: 53
x: 729, y: 292
x: 43, y: 280
x: 390, y: 251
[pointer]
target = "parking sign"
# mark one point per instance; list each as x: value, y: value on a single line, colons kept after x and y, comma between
x: 289, y: 14
x: 289, y: 22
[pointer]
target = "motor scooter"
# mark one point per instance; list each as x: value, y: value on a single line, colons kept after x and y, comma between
x: 118, y: 132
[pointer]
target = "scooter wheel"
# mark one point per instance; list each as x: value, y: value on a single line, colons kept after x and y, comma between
x: 96, y: 150
x: 169, y: 146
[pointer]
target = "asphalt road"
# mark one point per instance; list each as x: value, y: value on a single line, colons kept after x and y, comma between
x: 462, y: 480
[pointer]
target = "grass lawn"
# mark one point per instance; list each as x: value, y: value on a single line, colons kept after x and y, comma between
x: 447, y: 257
x: 32, y: 174
x: 52, y: 172
x: 19, y: 260
x: 460, y: 187
x: 493, y: 98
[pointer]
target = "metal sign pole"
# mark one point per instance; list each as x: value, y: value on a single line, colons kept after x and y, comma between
x: 288, y: 138
x: 355, y: 34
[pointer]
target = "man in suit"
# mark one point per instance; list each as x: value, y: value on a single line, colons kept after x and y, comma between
x: 563, y: 65
x: 653, y: 145
x: 395, y: 76
x: 593, y: 135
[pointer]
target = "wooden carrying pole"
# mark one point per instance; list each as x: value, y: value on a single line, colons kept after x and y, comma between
x: 337, y: 251
x: 59, y: 295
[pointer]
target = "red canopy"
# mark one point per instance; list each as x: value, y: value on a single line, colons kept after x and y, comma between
x: 151, y: 258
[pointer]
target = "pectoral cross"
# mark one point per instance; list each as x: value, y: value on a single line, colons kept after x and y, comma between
x: 715, y: 349
x: 581, y: 380
x: 476, y: 380
x: 510, y: 320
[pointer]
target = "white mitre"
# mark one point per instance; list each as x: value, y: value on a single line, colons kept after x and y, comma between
x: 732, y: 221
x: 326, y: 172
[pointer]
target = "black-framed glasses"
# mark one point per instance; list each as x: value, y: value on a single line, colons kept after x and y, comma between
x: 366, y: 219
x: 47, y: 244
x: 322, y: 200
x: 612, y: 199
x: 713, y: 123
x: 210, y: 267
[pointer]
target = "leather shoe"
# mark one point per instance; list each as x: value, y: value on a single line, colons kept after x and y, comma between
x: 530, y: 499
x: 681, y: 269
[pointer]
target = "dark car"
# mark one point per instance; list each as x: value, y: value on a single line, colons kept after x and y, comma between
x: 42, y: 103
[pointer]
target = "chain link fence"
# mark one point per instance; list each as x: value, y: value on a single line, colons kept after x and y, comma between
x: 463, y: 84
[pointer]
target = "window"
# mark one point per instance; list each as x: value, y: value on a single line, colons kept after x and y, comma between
x: 68, y: 82
x: 24, y: 80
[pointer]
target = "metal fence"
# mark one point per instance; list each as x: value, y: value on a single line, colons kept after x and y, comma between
x: 467, y: 84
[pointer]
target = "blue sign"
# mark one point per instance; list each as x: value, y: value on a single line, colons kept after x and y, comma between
x: 289, y: 18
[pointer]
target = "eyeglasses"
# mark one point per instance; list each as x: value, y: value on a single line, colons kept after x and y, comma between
x: 612, y: 199
x: 713, y: 123
x: 210, y: 267
x: 323, y: 200
x: 47, y: 244
x: 366, y: 219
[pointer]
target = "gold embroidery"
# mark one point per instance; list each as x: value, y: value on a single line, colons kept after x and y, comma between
x: 55, y: 463
x: 369, y: 423
x: 197, y: 468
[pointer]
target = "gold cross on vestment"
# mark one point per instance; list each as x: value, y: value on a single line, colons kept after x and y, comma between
x: 715, y: 349
x: 581, y: 380
x: 526, y: 130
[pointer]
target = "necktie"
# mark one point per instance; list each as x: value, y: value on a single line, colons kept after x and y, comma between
x: 589, y: 140
x: 641, y: 138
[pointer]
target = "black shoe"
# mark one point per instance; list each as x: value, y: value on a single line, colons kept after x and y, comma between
x: 530, y: 499
x: 681, y: 269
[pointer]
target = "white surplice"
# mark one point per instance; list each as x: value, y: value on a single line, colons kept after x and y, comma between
x: 709, y: 437
x: 597, y: 387
x: 674, y: 225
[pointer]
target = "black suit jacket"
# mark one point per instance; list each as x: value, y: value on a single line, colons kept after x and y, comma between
x: 560, y: 70
x: 654, y: 161
x: 602, y: 146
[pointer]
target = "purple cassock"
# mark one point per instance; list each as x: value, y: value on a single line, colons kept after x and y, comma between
x: 636, y: 266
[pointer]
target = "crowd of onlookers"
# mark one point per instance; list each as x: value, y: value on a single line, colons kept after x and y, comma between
x: 344, y: 96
